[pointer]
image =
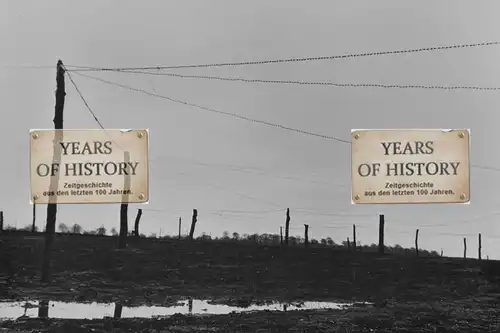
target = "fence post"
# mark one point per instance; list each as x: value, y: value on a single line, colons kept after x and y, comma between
x: 122, y: 240
x: 479, y: 247
x: 348, y: 244
x: 33, y: 227
x: 193, y: 224
x: 465, y: 248
x: 306, y: 235
x: 416, y: 242
x: 381, y: 246
x: 287, y: 225
x: 137, y: 221
x: 354, y: 237
x: 180, y: 223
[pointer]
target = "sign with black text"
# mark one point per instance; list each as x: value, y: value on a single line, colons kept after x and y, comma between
x: 410, y: 166
x: 89, y: 166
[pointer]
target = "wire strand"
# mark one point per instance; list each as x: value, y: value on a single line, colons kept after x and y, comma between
x: 312, y: 83
x: 305, y: 59
x: 216, y: 111
x: 89, y: 108
x: 478, y: 166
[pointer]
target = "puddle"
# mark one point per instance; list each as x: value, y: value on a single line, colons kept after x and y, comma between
x: 62, y: 310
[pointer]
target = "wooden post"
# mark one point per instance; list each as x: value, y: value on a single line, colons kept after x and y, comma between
x: 354, y: 237
x: 193, y: 224
x: 33, y: 226
x: 1, y: 220
x: 381, y: 246
x: 479, y: 247
x: 306, y: 235
x: 122, y: 241
x: 137, y: 221
x: 50, y: 228
x: 180, y: 223
x: 348, y: 244
x: 416, y: 242
x: 465, y: 248
x: 287, y: 225
x: 281, y: 236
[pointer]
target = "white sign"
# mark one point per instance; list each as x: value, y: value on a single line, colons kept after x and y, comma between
x: 410, y: 166
x: 89, y: 166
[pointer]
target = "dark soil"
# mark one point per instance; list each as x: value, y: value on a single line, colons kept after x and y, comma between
x: 454, y: 295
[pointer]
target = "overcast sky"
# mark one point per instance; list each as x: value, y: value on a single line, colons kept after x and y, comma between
x: 242, y: 176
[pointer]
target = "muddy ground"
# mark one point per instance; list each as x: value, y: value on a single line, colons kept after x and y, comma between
x: 450, y: 295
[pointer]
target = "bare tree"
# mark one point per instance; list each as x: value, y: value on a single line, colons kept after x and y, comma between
x: 101, y: 231
x: 63, y: 228
x: 76, y: 228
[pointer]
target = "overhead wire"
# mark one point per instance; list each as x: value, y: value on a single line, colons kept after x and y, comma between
x: 89, y: 108
x: 140, y: 90
x: 83, y: 99
x: 304, y: 59
x: 315, y: 83
x: 231, y: 114
x: 242, y: 117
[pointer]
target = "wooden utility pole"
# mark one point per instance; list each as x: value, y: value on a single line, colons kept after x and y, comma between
x: 479, y: 247
x: 416, y: 242
x: 50, y: 227
x: 180, y: 222
x: 33, y: 227
x: 306, y: 235
x: 137, y: 221
x: 122, y: 241
x: 1, y: 220
x: 287, y: 225
x: 354, y: 237
x: 465, y: 248
x: 381, y: 246
x: 193, y: 224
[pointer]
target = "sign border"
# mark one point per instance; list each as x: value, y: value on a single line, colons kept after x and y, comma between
x: 124, y: 130
x: 466, y: 202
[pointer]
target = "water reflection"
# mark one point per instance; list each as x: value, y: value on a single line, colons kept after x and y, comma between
x: 118, y: 310
x: 13, y: 310
x: 43, y: 309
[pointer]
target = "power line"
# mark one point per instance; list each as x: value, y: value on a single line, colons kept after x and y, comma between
x: 88, y: 107
x: 33, y: 66
x: 261, y: 62
x: 84, y: 101
x: 235, y: 115
x: 314, y: 83
x: 243, y: 117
